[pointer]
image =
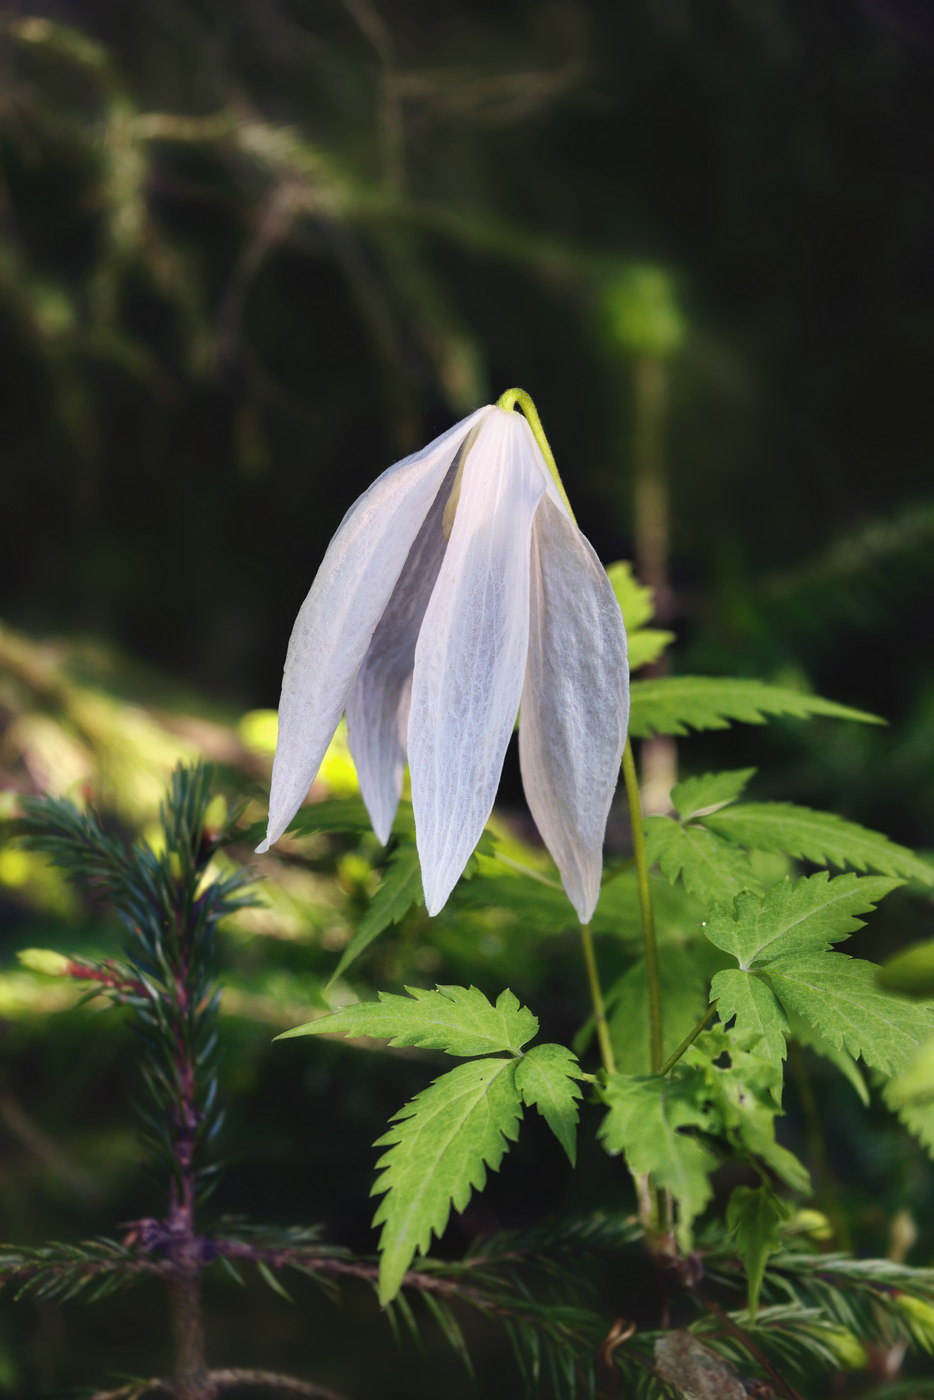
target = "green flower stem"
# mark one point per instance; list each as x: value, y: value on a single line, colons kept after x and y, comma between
x: 688, y: 1040
x: 596, y: 996
x: 645, y: 908
x: 520, y: 397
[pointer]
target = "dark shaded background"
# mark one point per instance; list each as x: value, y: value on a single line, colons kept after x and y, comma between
x: 209, y: 347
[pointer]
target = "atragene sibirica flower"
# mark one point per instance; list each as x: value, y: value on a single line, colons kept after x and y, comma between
x: 457, y: 592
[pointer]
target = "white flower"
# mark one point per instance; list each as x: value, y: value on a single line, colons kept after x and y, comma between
x: 432, y: 643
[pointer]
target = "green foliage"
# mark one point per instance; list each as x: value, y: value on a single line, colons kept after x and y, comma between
x: 445, y: 1139
x: 637, y: 605
x: 736, y: 1084
x: 820, y: 837
x: 170, y: 916
x: 698, y: 795
x: 675, y: 704
x: 684, y: 1001
x: 400, y: 888
x: 753, y: 1216
x: 59, y: 1272
x: 756, y: 1008
x: 451, y: 1132
x: 721, y: 1087
x: 644, y: 1117
x: 780, y: 942
x: 545, y: 1078
x: 795, y: 917
x: 459, y: 1020
x: 714, y: 871
x: 838, y: 995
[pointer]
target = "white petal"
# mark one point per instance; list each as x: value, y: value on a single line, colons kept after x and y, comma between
x: 470, y: 657
x: 336, y: 622
x: 378, y: 706
x: 575, y: 702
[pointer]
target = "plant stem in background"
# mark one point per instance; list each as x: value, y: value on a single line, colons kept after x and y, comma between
x: 596, y: 997
x: 656, y: 1049
x: 827, y: 1188
x: 659, y: 753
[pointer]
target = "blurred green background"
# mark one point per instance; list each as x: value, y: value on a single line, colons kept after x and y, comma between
x: 251, y: 252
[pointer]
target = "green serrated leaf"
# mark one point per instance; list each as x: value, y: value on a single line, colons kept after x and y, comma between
x: 545, y: 1078
x: 684, y: 1001
x: 673, y: 704
x: 636, y: 601
x: 643, y: 1121
x: 459, y: 1020
x: 821, y: 837
x: 400, y: 888
x: 753, y: 1217
x: 799, y: 1030
x: 709, y: 790
x: 756, y: 1008
x: 714, y: 871
x: 646, y: 645
x: 443, y: 1141
x: 796, y: 917
x: 838, y: 995
x: 637, y: 605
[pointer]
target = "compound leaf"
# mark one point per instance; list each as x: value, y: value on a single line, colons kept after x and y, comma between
x: 795, y: 918
x: 643, y: 1121
x: 714, y: 871
x: 822, y: 837
x: 439, y: 1149
x: 545, y: 1078
x: 709, y: 790
x: 400, y: 888
x: 459, y: 1020
x: 672, y: 704
x: 839, y: 996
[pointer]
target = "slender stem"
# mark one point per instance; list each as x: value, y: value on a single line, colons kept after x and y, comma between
x: 645, y: 908
x: 526, y: 870
x: 596, y: 996
x: 688, y: 1040
x: 524, y: 400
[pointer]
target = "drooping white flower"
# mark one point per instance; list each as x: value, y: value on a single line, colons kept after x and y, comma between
x: 432, y: 633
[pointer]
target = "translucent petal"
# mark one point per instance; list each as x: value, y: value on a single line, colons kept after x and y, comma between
x: 336, y: 622
x: 471, y: 652
x: 575, y: 702
x: 378, y: 707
